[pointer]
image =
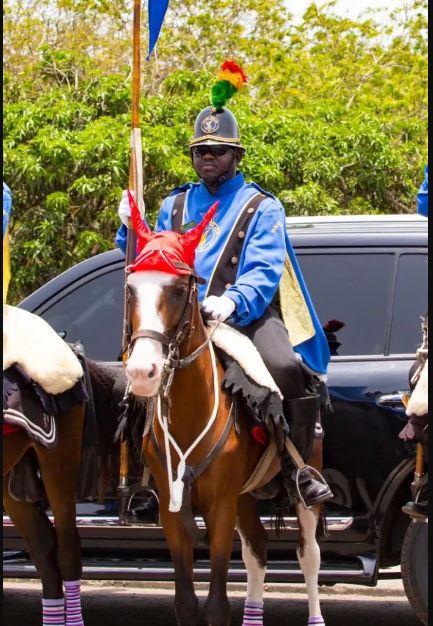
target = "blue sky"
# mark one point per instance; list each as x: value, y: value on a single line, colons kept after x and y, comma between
x: 353, y: 7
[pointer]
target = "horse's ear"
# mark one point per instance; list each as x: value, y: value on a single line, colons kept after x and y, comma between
x: 143, y: 233
x: 191, y: 239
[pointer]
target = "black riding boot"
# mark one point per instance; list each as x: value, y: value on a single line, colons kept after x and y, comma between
x: 302, y: 416
x: 417, y: 510
x: 146, y: 513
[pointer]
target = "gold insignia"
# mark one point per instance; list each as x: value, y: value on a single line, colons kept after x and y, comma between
x: 210, y: 125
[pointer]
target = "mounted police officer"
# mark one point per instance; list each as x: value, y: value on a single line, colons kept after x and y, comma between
x: 245, y: 257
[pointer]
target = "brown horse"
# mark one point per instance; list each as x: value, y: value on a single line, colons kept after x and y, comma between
x: 56, y: 551
x: 170, y: 355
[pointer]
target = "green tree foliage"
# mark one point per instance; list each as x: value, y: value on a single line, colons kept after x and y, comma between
x: 334, y: 119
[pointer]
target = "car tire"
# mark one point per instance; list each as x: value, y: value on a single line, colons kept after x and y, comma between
x: 414, y: 567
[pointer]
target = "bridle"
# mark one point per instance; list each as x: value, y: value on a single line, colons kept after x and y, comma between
x: 172, y: 345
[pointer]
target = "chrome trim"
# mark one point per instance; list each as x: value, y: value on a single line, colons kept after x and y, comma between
x: 335, y: 524
x: 92, y: 571
x: 366, y: 358
x: 391, y: 399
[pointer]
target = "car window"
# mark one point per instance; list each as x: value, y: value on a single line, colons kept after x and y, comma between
x: 411, y: 302
x: 93, y: 314
x: 354, y: 290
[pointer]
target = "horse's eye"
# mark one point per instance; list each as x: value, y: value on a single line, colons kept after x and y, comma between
x: 180, y: 292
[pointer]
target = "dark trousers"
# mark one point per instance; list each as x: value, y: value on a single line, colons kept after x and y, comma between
x: 270, y: 337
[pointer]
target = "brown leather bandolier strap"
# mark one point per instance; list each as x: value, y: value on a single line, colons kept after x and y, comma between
x: 178, y: 212
x: 226, y: 269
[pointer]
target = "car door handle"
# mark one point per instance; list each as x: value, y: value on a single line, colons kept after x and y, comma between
x: 392, y: 399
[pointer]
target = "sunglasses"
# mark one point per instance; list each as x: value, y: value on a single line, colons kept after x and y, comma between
x: 214, y: 151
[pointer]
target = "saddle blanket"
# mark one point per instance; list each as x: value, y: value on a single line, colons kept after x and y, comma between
x: 419, y: 404
x: 250, y: 384
x: 248, y: 377
x: 243, y: 351
x: 31, y: 343
x: 27, y: 406
x: 8, y: 429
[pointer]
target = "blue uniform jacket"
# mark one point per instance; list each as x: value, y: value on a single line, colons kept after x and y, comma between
x: 262, y: 262
x: 423, y: 197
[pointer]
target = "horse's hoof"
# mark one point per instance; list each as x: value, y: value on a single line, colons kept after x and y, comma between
x: 316, y: 621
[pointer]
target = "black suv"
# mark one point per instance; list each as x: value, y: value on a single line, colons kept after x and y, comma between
x: 368, y: 277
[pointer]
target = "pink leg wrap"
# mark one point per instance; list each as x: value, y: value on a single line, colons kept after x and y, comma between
x: 53, y: 612
x: 253, y: 615
x: 74, y: 616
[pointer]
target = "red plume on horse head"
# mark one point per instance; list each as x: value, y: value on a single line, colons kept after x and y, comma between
x: 141, y: 230
x: 191, y: 240
x: 164, y: 251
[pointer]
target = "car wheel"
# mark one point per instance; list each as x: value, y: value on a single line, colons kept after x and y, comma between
x: 414, y: 567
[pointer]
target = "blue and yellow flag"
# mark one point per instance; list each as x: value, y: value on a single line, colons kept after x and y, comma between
x: 157, y: 11
x: 7, y: 208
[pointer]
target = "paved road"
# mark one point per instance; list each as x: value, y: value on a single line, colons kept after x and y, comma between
x: 125, y: 606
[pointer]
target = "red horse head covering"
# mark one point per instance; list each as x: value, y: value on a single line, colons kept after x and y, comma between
x: 163, y: 252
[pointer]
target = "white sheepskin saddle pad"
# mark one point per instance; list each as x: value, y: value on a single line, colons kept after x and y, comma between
x: 243, y: 351
x: 418, y: 404
x: 29, y: 341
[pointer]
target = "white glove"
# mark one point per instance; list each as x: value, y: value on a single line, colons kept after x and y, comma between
x: 124, y: 208
x: 219, y: 308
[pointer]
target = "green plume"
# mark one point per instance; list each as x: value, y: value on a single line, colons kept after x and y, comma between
x: 222, y: 92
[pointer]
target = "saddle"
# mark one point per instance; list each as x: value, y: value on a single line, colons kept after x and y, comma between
x: 31, y: 343
x: 27, y: 406
x: 418, y: 402
x: 256, y: 395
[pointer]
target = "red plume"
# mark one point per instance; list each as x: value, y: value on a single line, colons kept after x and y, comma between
x: 143, y: 233
x: 191, y: 240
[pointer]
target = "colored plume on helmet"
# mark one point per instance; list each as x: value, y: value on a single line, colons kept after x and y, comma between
x: 165, y: 251
x: 230, y: 80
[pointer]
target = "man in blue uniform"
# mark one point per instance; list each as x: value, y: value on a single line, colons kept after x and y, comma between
x: 245, y: 257
x: 423, y: 197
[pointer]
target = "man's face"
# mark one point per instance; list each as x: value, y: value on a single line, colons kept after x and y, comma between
x: 213, y: 162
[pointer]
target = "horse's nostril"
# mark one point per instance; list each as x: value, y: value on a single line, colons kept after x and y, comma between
x: 152, y: 372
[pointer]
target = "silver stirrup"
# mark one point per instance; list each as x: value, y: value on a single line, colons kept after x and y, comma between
x: 312, y: 470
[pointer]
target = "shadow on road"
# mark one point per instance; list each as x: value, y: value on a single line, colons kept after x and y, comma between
x: 137, y: 607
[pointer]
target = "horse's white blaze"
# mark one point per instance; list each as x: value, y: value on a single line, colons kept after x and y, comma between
x: 256, y: 573
x: 147, y: 356
x: 310, y: 561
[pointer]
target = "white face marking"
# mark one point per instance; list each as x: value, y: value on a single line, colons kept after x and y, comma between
x: 144, y: 366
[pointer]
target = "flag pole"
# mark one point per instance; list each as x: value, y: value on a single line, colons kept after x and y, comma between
x: 136, y: 185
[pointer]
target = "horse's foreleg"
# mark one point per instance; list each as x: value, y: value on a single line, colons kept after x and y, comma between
x: 181, y: 549
x: 40, y: 537
x: 59, y: 470
x: 255, y: 553
x: 310, y: 560
x: 221, y: 524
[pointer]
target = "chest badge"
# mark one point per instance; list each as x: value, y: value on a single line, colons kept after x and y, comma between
x: 210, y: 125
x: 210, y: 237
